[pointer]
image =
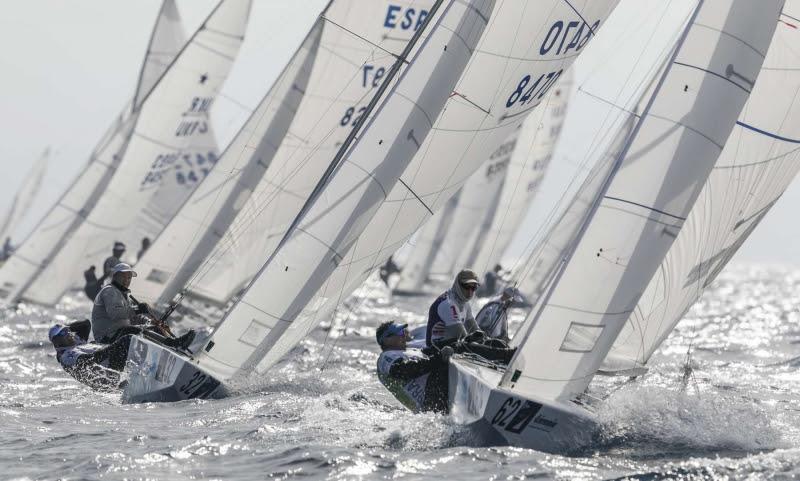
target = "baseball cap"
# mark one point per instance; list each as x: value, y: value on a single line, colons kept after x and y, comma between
x: 388, y: 329
x: 122, y: 267
x: 119, y: 246
x: 467, y: 277
x: 57, y: 330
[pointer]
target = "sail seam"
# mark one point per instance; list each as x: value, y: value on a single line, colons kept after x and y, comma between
x: 415, y: 195
x: 644, y: 207
x: 768, y: 134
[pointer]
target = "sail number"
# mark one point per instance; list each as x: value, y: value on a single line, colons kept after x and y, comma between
x: 398, y: 16
x: 515, y: 415
x: 559, y: 33
x: 199, y: 385
x: 190, y: 171
x: 526, y: 91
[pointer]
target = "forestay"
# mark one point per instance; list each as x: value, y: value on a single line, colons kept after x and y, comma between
x: 45, y: 241
x: 260, y: 327
x: 25, y: 196
x: 529, y: 161
x: 171, y: 149
x: 359, y: 43
x: 196, y: 229
x: 644, y: 205
x: 482, y: 111
x: 759, y: 161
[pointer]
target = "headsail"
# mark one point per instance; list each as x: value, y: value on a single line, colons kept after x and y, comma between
x: 256, y: 332
x: 196, y: 229
x: 33, y: 256
x: 26, y: 194
x: 171, y: 149
x: 647, y: 198
x: 759, y: 161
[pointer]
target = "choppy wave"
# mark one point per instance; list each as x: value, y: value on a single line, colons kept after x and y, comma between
x: 322, y: 414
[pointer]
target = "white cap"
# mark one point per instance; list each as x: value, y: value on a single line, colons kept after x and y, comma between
x: 122, y: 267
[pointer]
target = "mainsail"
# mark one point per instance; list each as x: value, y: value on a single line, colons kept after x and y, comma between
x: 171, y: 149
x: 358, y: 44
x: 532, y: 153
x: 196, y: 229
x: 262, y: 326
x: 25, y: 196
x: 759, y: 161
x: 646, y: 199
x: 33, y: 256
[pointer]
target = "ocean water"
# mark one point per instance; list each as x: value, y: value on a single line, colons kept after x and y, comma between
x: 322, y: 414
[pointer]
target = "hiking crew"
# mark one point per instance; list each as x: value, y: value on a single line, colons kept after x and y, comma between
x: 450, y: 316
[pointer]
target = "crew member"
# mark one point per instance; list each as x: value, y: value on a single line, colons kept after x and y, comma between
x: 86, y: 361
x: 116, y: 313
x: 417, y: 378
x: 145, y: 246
x: 450, y: 316
x: 493, y: 317
x: 92, y: 285
x: 114, y: 259
x: 490, y: 279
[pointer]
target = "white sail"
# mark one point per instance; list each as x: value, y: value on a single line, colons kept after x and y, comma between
x: 44, y: 242
x: 476, y: 202
x: 25, y: 196
x: 422, y: 248
x: 259, y: 328
x: 532, y: 153
x: 171, y: 149
x: 194, y: 232
x: 335, y: 99
x: 756, y: 166
x: 480, y: 113
x: 647, y: 198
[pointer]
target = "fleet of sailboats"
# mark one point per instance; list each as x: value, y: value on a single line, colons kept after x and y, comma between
x: 437, y: 118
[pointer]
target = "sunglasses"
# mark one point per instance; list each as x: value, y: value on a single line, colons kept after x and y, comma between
x: 469, y: 287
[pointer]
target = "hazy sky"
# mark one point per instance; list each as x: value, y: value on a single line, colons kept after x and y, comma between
x: 69, y: 67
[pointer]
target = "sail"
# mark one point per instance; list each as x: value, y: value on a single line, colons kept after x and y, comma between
x: 529, y: 161
x: 166, y: 41
x: 647, y: 198
x: 476, y: 202
x: 755, y: 167
x: 25, y: 196
x: 44, y: 242
x: 171, y: 149
x: 421, y: 250
x: 366, y: 35
x: 481, y: 112
x: 194, y: 232
x: 252, y: 334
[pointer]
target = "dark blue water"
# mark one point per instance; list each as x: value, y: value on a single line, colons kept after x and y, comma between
x: 322, y: 414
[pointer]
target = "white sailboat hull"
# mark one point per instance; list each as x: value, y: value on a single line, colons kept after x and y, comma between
x: 159, y: 374
x: 502, y: 417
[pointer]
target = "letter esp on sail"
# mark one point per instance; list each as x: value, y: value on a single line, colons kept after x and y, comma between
x: 631, y: 225
x: 45, y: 241
x: 173, y: 133
x: 397, y: 118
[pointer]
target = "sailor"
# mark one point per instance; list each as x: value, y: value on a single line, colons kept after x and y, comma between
x: 493, y: 317
x: 92, y: 285
x: 114, y: 259
x: 417, y: 378
x: 450, y: 316
x: 116, y: 313
x: 85, y: 360
x: 489, y: 287
x: 389, y: 268
x: 145, y: 246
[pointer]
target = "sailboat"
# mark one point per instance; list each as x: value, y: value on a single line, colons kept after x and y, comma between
x: 171, y: 148
x: 643, y: 204
x: 27, y: 193
x: 34, y: 254
x: 383, y: 141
